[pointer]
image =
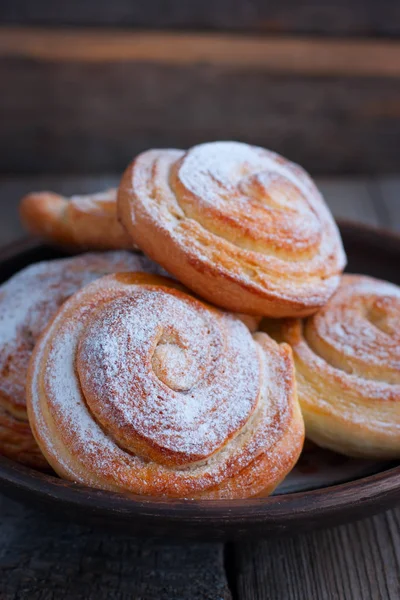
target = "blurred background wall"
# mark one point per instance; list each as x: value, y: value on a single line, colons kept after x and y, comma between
x: 86, y: 84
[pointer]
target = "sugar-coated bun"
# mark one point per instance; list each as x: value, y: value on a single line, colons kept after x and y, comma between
x: 241, y: 226
x: 347, y: 359
x: 139, y: 387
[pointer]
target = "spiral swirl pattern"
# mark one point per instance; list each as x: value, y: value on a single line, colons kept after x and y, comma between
x: 27, y: 302
x: 137, y: 386
x: 347, y: 359
x: 238, y: 224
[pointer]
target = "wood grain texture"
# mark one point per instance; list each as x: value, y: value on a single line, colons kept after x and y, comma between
x: 354, y: 562
x: 387, y: 198
x: 364, y: 17
x: 93, y: 117
x: 307, y: 56
x: 50, y: 560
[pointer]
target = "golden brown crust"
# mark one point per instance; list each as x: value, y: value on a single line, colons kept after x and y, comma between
x: 86, y: 222
x: 241, y: 226
x: 137, y: 386
x: 347, y: 359
x: 27, y: 302
x: 17, y: 442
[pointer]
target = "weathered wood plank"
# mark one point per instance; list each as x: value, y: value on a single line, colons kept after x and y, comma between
x: 387, y: 194
x: 92, y: 117
x: 46, y: 560
x: 359, y: 17
x: 349, y: 198
x: 352, y: 562
x: 307, y: 56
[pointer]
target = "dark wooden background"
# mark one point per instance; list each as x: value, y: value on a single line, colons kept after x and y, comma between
x: 337, y: 17
x: 85, y: 85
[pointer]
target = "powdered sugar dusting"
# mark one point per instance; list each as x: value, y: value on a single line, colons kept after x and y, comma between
x: 221, y: 367
x: 92, y: 202
x: 210, y: 168
x: 64, y: 385
x: 30, y: 299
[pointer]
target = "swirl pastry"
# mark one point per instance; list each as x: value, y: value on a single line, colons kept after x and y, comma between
x: 137, y: 386
x: 27, y: 302
x: 347, y: 359
x: 81, y: 222
x: 240, y: 225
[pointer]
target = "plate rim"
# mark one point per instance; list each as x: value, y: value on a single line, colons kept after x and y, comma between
x: 294, y: 506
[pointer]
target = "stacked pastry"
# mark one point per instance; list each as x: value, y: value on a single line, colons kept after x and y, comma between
x: 133, y: 382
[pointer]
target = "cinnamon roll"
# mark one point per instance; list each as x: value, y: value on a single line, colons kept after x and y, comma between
x: 347, y: 359
x: 27, y: 302
x: 86, y: 222
x: 240, y: 225
x: 137, y: 386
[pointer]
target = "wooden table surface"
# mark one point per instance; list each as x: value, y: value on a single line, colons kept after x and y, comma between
x: 43, y: 559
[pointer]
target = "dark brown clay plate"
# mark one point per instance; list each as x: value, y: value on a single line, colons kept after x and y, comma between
x: 324, y: 488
